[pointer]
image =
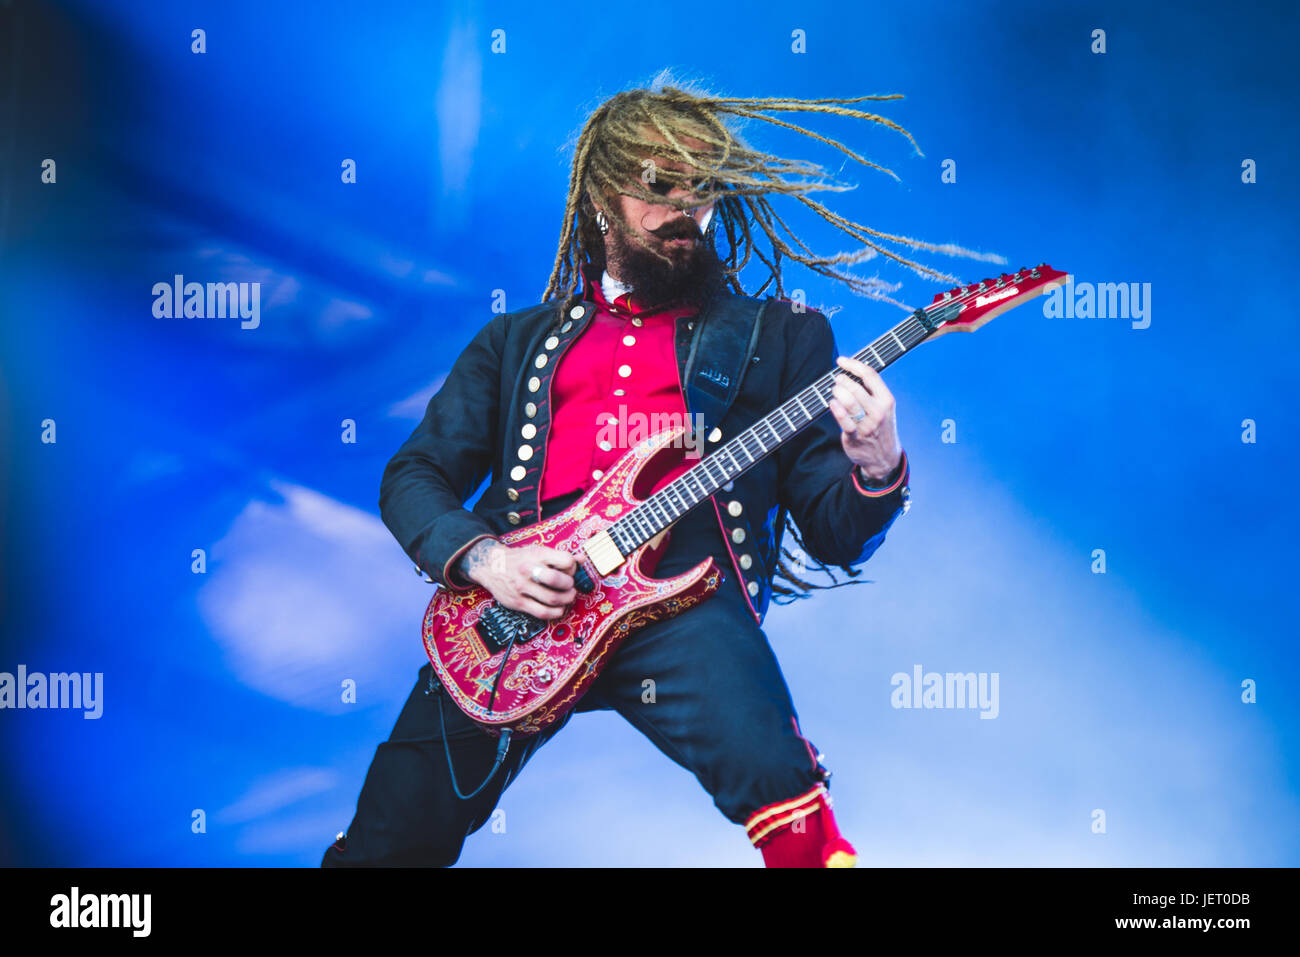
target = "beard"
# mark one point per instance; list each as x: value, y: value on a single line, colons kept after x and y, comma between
x: 690, y: 273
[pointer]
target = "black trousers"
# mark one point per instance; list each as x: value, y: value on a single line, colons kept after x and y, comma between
x: 718, y: 706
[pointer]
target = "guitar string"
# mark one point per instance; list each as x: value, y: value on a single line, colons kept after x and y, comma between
x: 745, y: 442
x: 646, y: 515
x: 646, y: 519
x: 903, y: 331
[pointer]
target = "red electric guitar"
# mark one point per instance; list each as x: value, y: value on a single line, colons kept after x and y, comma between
x: 508, y: 670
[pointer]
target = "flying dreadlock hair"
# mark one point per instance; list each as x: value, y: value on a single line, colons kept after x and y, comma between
x: 620, y: 139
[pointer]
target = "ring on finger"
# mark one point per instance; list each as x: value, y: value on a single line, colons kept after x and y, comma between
x: 537, y: 574
x: 862, y: 414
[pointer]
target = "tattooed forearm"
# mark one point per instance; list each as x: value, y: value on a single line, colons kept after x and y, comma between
x: 475, y: 558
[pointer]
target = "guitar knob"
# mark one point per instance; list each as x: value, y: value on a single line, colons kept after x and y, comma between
x: 544, y: 676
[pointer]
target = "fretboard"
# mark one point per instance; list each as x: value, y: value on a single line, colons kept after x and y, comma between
x: 762, y: 438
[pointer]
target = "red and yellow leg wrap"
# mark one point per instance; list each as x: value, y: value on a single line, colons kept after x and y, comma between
x: 800, y: 832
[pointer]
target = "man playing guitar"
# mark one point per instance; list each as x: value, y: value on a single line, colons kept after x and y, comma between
x: 532, y: 402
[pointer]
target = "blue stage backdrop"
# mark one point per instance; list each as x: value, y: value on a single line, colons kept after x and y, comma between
x: 1102, y: 523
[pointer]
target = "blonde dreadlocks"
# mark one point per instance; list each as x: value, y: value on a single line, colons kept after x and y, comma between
x: 619, y: 141
x: 631, y: 126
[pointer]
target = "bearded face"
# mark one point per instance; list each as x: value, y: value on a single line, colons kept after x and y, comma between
x: 679, y: 265
x: 656, y: 248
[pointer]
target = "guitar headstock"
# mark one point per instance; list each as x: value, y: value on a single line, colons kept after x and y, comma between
x: 966, y: 308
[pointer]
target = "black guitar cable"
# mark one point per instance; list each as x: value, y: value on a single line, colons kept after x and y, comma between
x: 503, y: 743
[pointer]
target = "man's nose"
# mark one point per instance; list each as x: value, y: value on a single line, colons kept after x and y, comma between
x: 664, y: 215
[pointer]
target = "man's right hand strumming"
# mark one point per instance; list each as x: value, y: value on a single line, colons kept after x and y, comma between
x: 530, y: 578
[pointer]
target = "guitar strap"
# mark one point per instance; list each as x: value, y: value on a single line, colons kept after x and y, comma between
x: 721, y: 350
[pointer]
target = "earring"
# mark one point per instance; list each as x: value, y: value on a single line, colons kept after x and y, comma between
x: 601, y: 222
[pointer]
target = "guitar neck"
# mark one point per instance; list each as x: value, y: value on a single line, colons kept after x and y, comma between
x: 763, y: 437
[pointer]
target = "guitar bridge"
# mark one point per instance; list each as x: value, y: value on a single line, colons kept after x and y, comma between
x: 498, y: 626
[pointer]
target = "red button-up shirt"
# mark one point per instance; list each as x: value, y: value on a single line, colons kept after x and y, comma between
x: 615, y: 385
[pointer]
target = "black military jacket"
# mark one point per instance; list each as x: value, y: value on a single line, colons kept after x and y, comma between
x: 492, y: 417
